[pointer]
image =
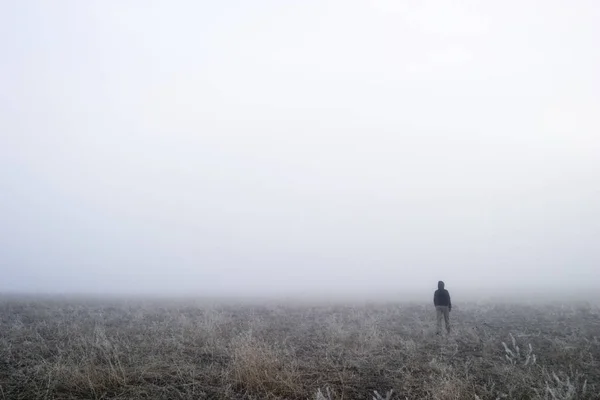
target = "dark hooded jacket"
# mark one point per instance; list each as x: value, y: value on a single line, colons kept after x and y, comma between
x: 441, y: 297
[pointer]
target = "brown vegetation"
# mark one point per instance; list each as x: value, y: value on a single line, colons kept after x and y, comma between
x: 88, y: 349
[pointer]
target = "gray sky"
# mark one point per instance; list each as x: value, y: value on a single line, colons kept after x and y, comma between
x: 298, y: 147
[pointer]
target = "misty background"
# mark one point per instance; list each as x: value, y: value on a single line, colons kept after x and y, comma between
x: 314, y: 147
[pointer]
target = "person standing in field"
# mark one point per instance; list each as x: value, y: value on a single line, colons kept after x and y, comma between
x: 443, y: 306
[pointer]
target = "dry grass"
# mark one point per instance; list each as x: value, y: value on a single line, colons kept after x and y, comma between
x: 85, y: 349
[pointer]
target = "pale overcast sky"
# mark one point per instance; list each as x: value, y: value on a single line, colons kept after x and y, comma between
x: 299, y: 146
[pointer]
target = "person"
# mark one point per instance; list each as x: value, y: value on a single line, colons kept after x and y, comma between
x: 443, y: 306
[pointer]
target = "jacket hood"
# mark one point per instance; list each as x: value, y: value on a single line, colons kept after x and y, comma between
x: 441, y: 285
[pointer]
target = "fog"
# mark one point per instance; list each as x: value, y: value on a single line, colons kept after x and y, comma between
x: 299, y: 148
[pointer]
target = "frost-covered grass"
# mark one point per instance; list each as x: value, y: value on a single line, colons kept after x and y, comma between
x: 102, y: 349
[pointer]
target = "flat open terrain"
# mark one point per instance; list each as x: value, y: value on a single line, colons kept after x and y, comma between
x: 168, y: 349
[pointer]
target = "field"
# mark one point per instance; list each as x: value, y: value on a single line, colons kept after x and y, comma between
x: 197, y: 349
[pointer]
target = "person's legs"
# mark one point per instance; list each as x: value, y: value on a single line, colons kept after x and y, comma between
x: 438, y: 313
x: 447, y: 318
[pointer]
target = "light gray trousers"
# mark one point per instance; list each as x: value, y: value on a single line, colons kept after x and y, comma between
x: 442, y: 312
